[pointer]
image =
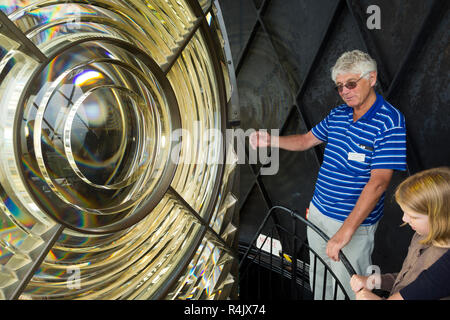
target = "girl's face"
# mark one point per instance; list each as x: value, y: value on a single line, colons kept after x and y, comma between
x: 417, y: 221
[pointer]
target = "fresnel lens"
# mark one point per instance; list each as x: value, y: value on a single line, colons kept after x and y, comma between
x: 113, y: 182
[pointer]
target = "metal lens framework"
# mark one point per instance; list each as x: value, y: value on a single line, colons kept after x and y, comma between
x: 114, y: 183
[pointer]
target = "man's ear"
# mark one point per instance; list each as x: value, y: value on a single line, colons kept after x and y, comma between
x: 373, y: 78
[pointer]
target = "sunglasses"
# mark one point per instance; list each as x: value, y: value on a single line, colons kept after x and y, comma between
x: 350, y: 84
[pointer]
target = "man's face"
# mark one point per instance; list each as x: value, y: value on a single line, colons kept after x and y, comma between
x: 357, y: 96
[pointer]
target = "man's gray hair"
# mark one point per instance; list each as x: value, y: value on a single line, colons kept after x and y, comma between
x: 354, y: 61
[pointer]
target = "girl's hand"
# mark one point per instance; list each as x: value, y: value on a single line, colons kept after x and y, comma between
x: 365, y: 294
x: 358, y: 282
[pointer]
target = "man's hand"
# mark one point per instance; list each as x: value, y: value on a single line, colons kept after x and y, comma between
x: 260, y: 139
x: 337, y: 242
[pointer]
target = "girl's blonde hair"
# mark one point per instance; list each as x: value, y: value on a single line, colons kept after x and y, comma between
x: 428, y: 192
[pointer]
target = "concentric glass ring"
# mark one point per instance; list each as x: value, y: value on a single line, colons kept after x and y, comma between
x: 114, y: 97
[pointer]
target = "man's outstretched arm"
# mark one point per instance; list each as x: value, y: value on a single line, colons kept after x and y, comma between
x: 295, y: 142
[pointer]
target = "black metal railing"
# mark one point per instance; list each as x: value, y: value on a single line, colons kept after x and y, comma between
x: 284, y: 273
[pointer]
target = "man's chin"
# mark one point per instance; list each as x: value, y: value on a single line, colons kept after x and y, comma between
x: 350, y: 104
x: 350, y: 101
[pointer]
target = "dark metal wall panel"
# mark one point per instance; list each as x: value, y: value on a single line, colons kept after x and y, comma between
x: 283, y: 74
x: 320, y: 97
x: 297, y: 43
x: 247, y: 181
x: 400, y: 22
x: 424, y: 98
x: 258, y: 3
x: 266, y: 95
x: 239, y: 17
x: 255, y: 209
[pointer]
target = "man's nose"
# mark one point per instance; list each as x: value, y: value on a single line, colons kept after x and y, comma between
x: 345, y: 90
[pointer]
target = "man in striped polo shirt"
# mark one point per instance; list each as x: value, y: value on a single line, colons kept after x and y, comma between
x: 366, y: 141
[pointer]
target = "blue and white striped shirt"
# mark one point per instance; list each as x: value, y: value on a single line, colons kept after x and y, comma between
x: 376, y: 141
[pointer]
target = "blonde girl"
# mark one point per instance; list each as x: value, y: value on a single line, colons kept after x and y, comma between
x: 425, y: 200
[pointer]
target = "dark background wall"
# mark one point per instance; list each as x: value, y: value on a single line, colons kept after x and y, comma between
x: 283, y: 51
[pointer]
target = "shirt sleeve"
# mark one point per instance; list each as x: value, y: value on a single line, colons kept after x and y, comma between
x: 432, y: 283
x: 320, y: 131
x: 390, y: 150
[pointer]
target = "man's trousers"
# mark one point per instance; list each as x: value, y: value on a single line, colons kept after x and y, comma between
x: 358, y: 252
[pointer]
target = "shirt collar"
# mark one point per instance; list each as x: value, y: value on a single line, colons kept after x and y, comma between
x: 373, y: 109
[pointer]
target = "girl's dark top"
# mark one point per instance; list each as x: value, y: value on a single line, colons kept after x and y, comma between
x: 432, y: 283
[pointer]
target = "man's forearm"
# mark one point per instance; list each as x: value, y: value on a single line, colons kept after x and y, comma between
x: 371, y: 193
x: 296, y: 142
x: 367, y: 201
x: 292, y: 143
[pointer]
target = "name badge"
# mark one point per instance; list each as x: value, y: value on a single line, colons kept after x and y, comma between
x: 360, y: 157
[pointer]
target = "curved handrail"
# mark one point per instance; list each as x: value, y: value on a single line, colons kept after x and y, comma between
x: 296, y: 215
